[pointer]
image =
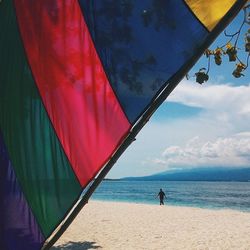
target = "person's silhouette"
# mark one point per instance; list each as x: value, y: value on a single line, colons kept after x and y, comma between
x: 161, y: 196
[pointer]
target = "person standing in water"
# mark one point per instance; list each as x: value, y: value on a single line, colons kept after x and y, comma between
x: 161, y: 196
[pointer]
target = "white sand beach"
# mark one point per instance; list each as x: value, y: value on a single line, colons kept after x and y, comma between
x: 113, y: 225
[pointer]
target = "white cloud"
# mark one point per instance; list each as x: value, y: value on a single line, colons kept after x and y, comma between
x: 212, y: 138
x: 229, y: 151
x: 226, y: 105
x: 213, y: 97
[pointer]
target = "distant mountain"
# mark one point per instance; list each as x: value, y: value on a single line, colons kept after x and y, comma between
x: 199, y: 174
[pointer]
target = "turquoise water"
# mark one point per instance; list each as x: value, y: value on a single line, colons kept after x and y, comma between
x: 215, y: 195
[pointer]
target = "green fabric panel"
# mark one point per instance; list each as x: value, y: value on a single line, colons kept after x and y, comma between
x: 45, y: 175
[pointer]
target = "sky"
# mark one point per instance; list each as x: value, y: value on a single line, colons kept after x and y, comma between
x: 198, y: 125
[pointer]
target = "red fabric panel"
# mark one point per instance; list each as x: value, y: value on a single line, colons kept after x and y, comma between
x: 73, y: 85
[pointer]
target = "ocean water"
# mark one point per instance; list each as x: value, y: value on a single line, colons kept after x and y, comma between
x: 215, y: 195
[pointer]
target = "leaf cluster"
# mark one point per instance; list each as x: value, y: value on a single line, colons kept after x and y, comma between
x: 230, y: 51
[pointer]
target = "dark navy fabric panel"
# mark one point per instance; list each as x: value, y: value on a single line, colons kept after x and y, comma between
x: 141, y: 45
x: 18, y: 227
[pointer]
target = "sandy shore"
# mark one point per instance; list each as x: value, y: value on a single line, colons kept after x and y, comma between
x: 111, y: 225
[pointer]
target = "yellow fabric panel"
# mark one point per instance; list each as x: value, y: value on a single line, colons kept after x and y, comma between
x: 209, y: 12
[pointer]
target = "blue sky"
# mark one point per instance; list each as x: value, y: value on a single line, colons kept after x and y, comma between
x: 198, y: 125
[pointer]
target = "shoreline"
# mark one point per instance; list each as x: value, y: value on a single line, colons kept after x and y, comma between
x: 123, y: 225
x: 166, y: 203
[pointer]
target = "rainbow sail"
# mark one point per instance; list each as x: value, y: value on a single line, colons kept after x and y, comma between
x: 76, y: 77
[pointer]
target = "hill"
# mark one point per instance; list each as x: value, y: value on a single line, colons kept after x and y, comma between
x: 199, y: 174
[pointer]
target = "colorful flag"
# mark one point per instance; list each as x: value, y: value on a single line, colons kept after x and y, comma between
x: 75, y: 79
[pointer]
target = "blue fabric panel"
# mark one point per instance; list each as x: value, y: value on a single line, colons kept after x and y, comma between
x: 141, y: 45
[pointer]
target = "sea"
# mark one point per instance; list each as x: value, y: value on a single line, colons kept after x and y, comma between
x: 202, y: 194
